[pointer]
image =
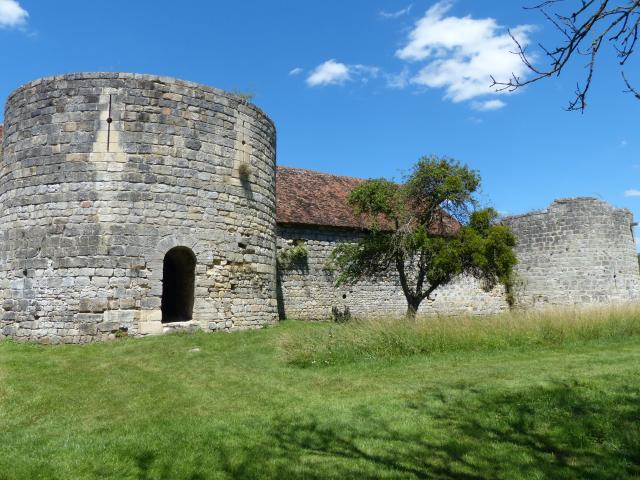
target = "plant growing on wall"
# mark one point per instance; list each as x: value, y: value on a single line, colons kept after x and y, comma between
x: 244, y: 95
x: 294, y: 253
x: 429, y: 230
x: 244, y: 170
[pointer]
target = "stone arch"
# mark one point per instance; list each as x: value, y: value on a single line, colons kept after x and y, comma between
x: 178, y: 285
x: 156, y: 264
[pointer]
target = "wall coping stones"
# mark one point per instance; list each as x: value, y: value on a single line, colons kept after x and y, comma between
x: 140, y: 76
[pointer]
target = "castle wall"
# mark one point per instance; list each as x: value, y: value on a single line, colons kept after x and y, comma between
x: 88, y: 208
x: 306, y: 290
x: 104, y: 174
x: 579, y: 251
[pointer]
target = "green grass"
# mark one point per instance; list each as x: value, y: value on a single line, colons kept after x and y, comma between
x: 155, y: 409
x: 388, y: 338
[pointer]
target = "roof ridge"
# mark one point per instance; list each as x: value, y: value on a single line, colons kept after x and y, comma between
x: 318, y: 172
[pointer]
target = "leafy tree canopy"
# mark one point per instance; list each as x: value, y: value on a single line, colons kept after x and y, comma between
x: 429, y: 230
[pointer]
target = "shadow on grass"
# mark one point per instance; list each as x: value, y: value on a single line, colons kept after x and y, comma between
x: 563, y: 431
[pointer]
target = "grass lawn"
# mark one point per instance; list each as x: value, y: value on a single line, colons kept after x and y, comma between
x: 155, y: 409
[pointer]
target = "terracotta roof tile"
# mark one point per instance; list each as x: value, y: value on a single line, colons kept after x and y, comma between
x: 307, y: 197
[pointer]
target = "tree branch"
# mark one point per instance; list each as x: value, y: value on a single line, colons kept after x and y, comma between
x: 583, y: 31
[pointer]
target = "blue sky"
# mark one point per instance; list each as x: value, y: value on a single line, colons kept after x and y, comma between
x: 361, y: 87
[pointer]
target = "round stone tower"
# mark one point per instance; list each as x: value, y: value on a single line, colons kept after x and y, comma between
x: 579, y: 251
x: 134, y: 203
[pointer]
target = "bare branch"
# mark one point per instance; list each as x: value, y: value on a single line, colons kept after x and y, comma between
x: 630, y: 89
x: 583, y: 33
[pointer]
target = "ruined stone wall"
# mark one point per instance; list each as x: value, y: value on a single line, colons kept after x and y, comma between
x: 88, y: 208
x: 306, y: 289
x: 579, y: 251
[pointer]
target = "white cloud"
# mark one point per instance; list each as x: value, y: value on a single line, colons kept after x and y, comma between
x: 12, y: 14
x: 396, y: 14
x: 364, y: 72
x: 623, y: 143
x: 632, y: 193
x: 336, y: 73
x: 296, y: 71
x: 399, y: 80
x: 461, y: 53
x: 329, y: 73
x: 488, y: 105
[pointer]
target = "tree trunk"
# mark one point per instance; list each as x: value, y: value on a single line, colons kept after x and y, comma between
x: 412, y: 308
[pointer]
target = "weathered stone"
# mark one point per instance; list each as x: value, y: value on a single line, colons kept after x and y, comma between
x: 89, y: 317
x: 579, y: 251
x: 307, y: 287
x: 93, y: 304
x: 91, y: 208
x: 151, y: 315
x: 124, y: 317
x: 150, y: 328
x: 88, y: 329
x: 108, y: 327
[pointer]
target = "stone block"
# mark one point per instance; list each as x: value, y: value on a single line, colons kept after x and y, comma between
x: 108, y: 327
x: 150, y: 315
x: 88, y: 329
x: 89, y: 317
x: 150, y: 328
x: 124, y: 317
x: 93, y: 304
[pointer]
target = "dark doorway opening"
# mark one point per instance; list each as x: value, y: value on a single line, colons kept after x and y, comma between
x: 178, y: 285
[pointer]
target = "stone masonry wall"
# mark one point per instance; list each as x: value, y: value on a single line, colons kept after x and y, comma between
x: 88, y: 208
x: 306, y: 290
x: 579, y: 251
x: 102, y: 174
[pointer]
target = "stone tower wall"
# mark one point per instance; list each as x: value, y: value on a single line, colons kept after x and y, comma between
x: 89, y: 209
x: 579, y: 251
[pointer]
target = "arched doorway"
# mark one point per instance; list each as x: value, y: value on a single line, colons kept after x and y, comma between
x: 178, y: 285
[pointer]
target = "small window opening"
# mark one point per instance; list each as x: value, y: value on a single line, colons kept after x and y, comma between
x: 178, y: 285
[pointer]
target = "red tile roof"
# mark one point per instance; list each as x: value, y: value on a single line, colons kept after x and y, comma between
x: 307, y: 197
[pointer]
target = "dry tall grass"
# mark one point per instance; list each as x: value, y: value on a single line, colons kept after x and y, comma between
x: 396, y: 337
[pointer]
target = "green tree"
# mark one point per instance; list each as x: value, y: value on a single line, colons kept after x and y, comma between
x: 429, y: 230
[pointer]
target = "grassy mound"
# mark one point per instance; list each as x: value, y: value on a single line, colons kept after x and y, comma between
x: 397, y: 337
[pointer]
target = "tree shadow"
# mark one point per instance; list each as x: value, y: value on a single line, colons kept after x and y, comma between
x: 146, y: 460
x: 563, y: 430
x: 559, y: 431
